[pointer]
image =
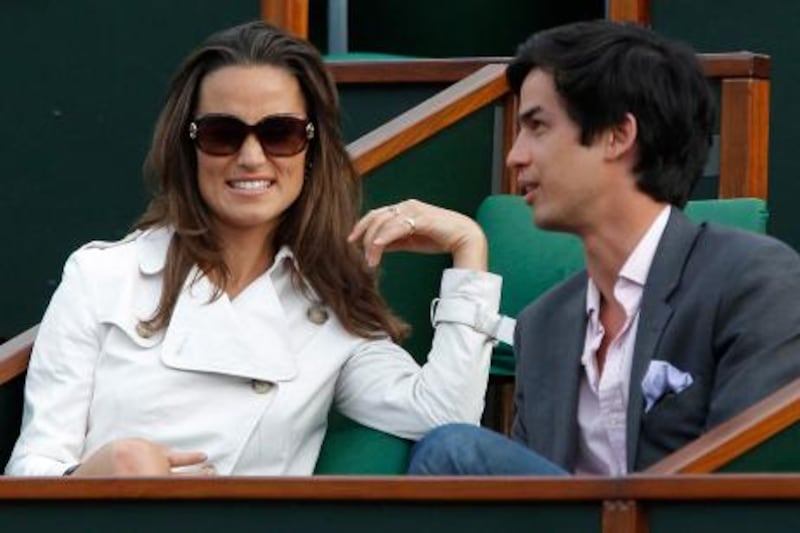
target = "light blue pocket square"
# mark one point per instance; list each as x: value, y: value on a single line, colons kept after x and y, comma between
x: 662, y: 378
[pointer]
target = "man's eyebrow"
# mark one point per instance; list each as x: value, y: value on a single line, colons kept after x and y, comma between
x: 528, y: 114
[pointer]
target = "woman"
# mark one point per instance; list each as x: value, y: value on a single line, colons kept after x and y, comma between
x: 215, y: 338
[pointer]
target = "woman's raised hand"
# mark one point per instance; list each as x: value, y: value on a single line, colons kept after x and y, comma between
x: 141, y: 457
x: 419, y: 227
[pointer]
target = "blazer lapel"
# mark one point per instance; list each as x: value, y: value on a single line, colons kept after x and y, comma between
x: 664, y: 276
x: 568, y: 348
x: 209, y: 335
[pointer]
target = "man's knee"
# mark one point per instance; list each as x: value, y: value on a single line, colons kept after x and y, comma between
x: 439, y: 447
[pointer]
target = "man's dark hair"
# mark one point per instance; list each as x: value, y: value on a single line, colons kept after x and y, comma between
x: 603, y: 70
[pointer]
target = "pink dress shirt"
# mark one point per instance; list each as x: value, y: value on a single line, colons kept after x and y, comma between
x: 603, y: 398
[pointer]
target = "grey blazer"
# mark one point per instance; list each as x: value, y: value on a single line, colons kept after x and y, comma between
x: 721, y: 304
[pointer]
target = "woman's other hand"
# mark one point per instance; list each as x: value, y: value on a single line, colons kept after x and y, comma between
x: 419, y: 227
x: 141, y: 457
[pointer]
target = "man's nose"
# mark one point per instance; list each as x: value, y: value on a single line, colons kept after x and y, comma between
x: 517, y: 155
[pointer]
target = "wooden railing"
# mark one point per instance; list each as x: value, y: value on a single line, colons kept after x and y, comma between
x: 430, y: 117
x: 744, y: 111
x: 15, y: 353
x: 605, y: 504
x: 744, y: 116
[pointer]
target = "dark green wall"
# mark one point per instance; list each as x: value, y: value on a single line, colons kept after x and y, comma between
x: 81, y: 86
x: 766, y: 26
x: 445, y: 28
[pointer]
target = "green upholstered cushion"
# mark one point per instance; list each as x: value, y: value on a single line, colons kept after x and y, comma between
x: 350, y: 448
x: 532, y: 260
x: 743, y: 213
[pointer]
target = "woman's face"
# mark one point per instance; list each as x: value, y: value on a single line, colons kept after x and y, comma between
x: 248, y: 190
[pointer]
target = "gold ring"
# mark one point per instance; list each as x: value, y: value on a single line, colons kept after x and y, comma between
x: 412, y: 226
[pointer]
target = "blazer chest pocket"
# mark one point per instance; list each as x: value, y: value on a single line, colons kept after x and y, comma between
x: 676, y: 419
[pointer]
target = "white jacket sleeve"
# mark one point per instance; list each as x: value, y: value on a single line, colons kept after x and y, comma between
x: 59, y: 383
x: 381, y: 385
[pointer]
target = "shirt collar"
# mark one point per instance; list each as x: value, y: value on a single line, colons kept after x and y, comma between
x: 637, y: 265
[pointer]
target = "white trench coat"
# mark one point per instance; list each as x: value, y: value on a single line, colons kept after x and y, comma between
x: 248, y: 382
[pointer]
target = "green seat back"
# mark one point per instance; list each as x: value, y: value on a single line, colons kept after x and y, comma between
x: 532, y: 260
x: 350, y: 448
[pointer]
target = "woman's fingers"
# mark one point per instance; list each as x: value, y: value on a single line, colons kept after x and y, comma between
x: 139, y: 457
x: 190, y: 464
x: 185, y: 458
x: 381, y: 227
x: 372, y: 219
x: 419, y: 227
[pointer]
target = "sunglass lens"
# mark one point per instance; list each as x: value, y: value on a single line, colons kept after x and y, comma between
x: 220, y: 135
x: 282, y: 136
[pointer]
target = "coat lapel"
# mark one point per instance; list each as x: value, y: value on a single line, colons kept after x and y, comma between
x: 208, y: 335
x: 664, y: 276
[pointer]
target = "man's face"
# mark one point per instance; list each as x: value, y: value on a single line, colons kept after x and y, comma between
x: 560, y: 178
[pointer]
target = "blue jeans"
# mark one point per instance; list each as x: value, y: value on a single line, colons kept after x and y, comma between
x: 461, y: 449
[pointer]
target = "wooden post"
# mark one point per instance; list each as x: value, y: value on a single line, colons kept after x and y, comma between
x: 744, y: 138
x: 623, y: 516
x: 291, y: 15
x: 629, y: 11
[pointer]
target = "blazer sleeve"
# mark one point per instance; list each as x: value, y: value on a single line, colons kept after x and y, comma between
x: 58, y: 387
x: 758, y: 337
x: 381, y: 385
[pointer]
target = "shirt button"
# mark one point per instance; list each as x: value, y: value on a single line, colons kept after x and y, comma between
x: 260, y: 387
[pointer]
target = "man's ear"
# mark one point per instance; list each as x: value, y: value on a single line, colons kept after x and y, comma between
x: 620, y: 140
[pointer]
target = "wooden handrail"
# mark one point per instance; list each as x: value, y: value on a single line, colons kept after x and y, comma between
x: 610, y: 505
x: 735, y: 65
x: 15, y: 353
x: 716, y: 65
x: 744, y: 121
x: 735, y: 437
x: 395, y: 71
x: 428, y: 118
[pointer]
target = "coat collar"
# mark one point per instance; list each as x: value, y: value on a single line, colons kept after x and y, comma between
x: 656, y: 310
x: 154, y: 244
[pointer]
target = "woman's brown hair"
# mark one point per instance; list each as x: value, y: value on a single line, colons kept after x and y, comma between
x: 315, y: 227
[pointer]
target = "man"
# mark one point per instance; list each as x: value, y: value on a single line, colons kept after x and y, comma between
x: 673, y: 327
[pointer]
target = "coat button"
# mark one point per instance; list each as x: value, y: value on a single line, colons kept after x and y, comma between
x: 260, y: 387
x: 142, y: 331
x: 317, y: 314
